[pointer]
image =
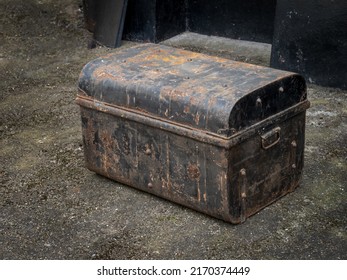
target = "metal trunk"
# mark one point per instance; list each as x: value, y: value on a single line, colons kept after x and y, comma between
x: 219, y: 136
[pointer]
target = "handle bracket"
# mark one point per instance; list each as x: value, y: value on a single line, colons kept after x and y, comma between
x: 271, y: 138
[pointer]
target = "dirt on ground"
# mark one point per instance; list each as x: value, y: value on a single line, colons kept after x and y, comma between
x: 52, y: 207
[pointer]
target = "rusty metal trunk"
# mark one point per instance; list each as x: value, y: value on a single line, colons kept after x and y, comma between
x: 222, y: 137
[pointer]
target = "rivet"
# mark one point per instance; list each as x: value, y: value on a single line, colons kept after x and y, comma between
x: 294, y: 143
x: 243, y: 195
x: 243, y: 172
x: 281, y: 89
x: 258, y: 101
x: 150, y: 185
x: 293, y: 166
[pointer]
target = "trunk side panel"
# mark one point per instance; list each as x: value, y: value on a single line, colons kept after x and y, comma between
x: 264, y: 175
x: 180, y: 169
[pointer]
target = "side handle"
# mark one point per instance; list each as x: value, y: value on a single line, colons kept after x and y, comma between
x: 271, y: 138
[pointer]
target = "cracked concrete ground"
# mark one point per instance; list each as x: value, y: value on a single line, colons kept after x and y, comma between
x: 52, y: 207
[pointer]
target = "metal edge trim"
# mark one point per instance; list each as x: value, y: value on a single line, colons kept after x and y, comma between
x: 186, y: 131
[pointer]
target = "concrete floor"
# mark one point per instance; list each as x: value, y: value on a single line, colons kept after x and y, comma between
x: 52, y: 207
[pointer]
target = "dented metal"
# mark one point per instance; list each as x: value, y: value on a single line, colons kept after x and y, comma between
x: 212, y: 134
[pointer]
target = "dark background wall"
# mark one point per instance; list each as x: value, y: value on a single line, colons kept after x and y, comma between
x: 154, y: 20
x: 171, y: 18
x: 140, y: 21
x: 311, y: 38
x: 251, y: 20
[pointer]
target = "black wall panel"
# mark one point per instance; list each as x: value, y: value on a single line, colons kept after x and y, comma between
x: 170, y: 18
x: 238, y: 19
x: 140, y: 21
x: 310, y: 37
x: 110, y: 15
x: 154, y: 20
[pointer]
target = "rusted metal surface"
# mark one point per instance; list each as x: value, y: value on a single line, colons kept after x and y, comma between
x: 212, y: 94
x: 209, y: 133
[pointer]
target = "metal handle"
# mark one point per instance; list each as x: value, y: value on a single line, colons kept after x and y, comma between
x: 270, y: 138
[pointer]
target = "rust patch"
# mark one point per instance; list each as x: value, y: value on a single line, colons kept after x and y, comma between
x: 193, y: 171
x: 102, y: 74
x: 186, y: 109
